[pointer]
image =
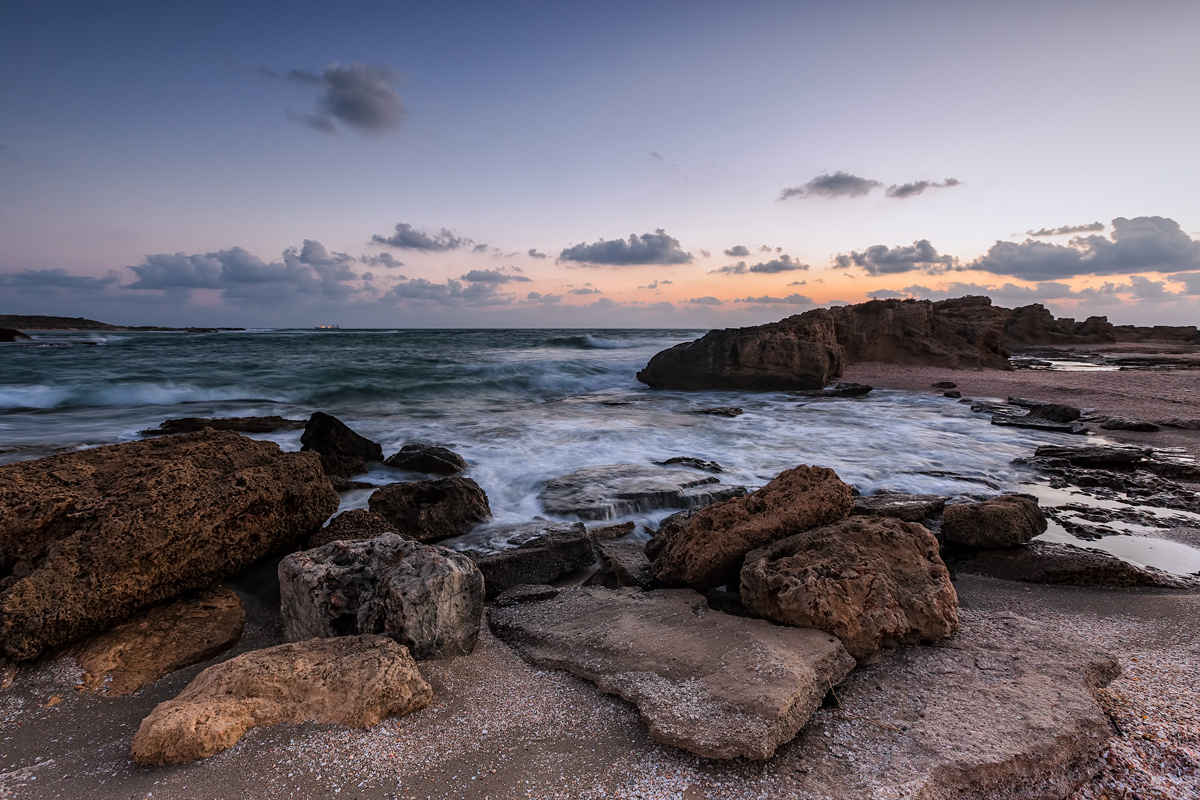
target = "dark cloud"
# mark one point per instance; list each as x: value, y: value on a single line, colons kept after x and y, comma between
x: 782, y: 264
x: 409, y: 238
x: 1190, y: 280
x: 1011, y: 294
x: 1141, y: 244
x: 585, y: 290
x: 493, y: 276
x: 838, y: 184
x: 737, y: 251
x: 479, y: 248
x: 656, y: 156
x: 708, y: 300
x: 883, y: 260
x: 358, y: 96
x: 790, y: 300
x: 34, y: 280
x: 538, y: 297
x: 804, y: 283
x: 705, y: 254
x: 451, y: 294
x: 533, y: 253
x: 647, y: 248
x: 904, y: 190
x: 314, y: 253
x: 381, y: 260
x: 1091, y: 227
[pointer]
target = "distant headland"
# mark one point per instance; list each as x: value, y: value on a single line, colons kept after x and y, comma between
x: 29, y: 322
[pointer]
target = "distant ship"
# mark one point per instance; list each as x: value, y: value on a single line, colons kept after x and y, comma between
x: 327, y: 328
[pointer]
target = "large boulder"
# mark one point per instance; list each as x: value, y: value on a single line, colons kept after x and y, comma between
x: 707, y: 550
x: 355, y: 681
x: 89, y: 538
x: 427, y: 458
x: 1010, y: 520
x: 529, y: 552
x: 351, y: 526
x: 429, y: 511
x: 343, y: 451
x: 871, y: 581
x: 428, y: 598
x: 611, y: 491
x: 713, y: 684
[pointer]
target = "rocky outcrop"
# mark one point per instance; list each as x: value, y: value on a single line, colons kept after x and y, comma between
x: 872, y: 582
x: 241, y: 424
x: 1054, y: 562
x: 1007, y: 521
x: 621, y: 564
x: 89, y: 538
x: 429, y: 599
x: 713, y: 684
x: 707, y: 549
x: 1034, y: 325
x: 962, y: 333
x: 11, y: 335
x: 906, y: 507
x: 530, y: 552
x: 1157, y: 333
x: 137, y: 652
x: 612, y: 491
x: 427, y: 458
x: 429, y: 511
x: 355, y: 681
x: 352, y: 526
x: 343, y: 452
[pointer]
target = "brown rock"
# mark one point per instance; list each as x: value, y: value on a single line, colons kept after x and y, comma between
x: 429, y: 511
x: 353, y: 680
x: 1055, y: 562
x: 536, y: 552
x: 906, y: 507
x: 156, y: 642
x: 343, y: 452
x: 707, y: 550
x: 1034, y: 325
x: 243, y: 424
x: 715, y: 685
x: 1007, y: 521
x: 427, y: 458
x: 872, y: 582
x: 89, y: 538
x: 622, y: 564
x: 353, y: 525
x: 1055, y: 412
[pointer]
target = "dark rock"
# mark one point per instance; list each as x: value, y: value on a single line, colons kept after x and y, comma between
x: 944, y: 385
x: 429, y: 511
x: 694, y: 463
x: 1055, y: 412
x: 871, y: 581
x: 535, y: 552
x: 726, y: 601
x: 1157, y: 333
x: 612, y: 491
x: 719, y: 411
x: 341, y: 469
x: 427, y: 458
x: 351, y: 526
x: 713, y: 684
x: 1035, y: 325
x: 1095, y: 455
x: 90, y: 537
x: 529, y: 593
x: 242, y: 424
x: 1124, y: 424
x: 907, y: 507
x: 1183, y: 423
x: 343, y: 452
x: 1054, y: 562
x: 1039, y: 424
x: 841, y: 390
x: 707, y: 550
x: 341, y: 484
x: 953, y: 394
x: 428, y: 598
x: 10, y: 335
x: 1007, y: 521
x: 622, y: 564
x: 604, y: 532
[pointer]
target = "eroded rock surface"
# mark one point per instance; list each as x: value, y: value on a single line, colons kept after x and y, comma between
x: 608, y: 492
x: 353, y: 525
x: 872, y: 582
x: 1055, y: 562
x: 710, y: 683
x: 353, y: 680
x: 427, y: 458
x: 89, y: 538
x: 343, y: 452
x: 1006, y: 521
x: 529, y: 552
x: 242, y: 424
x: 429, y: 511
x: 907, y: 507
x: 622, y: 564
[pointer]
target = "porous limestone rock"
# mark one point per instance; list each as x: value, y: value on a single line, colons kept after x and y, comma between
x: 429, y: 511
x: 611, y: 491
x: 427, y: 458
x: 528, y: 552
x: 1007, y: 521
x: 353, y: 525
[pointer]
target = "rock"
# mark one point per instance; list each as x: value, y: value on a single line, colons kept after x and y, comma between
x: 526, y: 593
x: 530, y: 552
x: 719, y: 411
x: 727, y: 602
x: 432, y: 510
x: 622, y: 564
x: 8, y: 673
x: 1125, y: 424
x: 243, y: 424
x: 1183, y: 423
x: 694, y: 463
x: 90, y: 537
x: 10, y: 335
x: 611, y: 531
x: 707, y: 550
x: 428, y: 598
x: 871, y: 581
x: 1095, y: 455
x: 944, y: 385
x: 953, y: 394
x: 1055, y: 412
x: 961, y: 333
x: 1010, y: 520
x: 354, y: 680
x: 137, y: 652
x: 341, y: 484
x: 350, y: 526
x: 613, y: 491
x: 427, y: 458
x: 343, y: 452
x: 907, y: 507
x: 1034, y: 325
x: 1039, y: 424
x: 712, y: 684
x: 1054, y: 562
x: 841, y: 390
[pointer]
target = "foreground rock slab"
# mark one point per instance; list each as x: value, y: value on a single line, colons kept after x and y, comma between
x: 872, y: 582
x: 137, y: 652
x: 428, y: 598
x: 91, y: 537
x: 429, y: 511
x: 611, y: 491
x: 354, y: 681
x: 712, y: 684
x: 1061, y: 563
x: 529, y: 552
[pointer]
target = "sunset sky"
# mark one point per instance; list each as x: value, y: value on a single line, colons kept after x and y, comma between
x: 648, y: 164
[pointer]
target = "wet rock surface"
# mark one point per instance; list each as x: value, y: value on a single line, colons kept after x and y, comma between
x: 427, y: 458
x: 906, y: 507
x: 720, y: 411
x: 430, y: 511
x: 1126, y: 475
x: 622, y: 564
x: 1054, y: 562
x: 716, y: 685
x: 535, y: 552
x: 91, y: 537
x: 1127, y: 424
x: 353, y: 525
x: 343, y: 452
x: 428, y: 598
x: 11, y: 335
x: 240, y: 424
x: 355, y: 681
x: 607, y: 492
x: 871, y: 581
x: 1005, y: 521
x: 692, y: 463
x: 840, y: 390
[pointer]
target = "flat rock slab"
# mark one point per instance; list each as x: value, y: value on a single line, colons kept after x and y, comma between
x: 241, y: 424
x: 1039, y: 424
x: 622, y: 564
x: 716, y: 685
x: 1061, y: 563
x: 160, y: 640
x: 906, y: 507
x: 534, y: 552
x: 608, y: 492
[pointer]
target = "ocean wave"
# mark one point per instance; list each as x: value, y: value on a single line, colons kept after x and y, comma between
x: 129, y: 394
x: 588, y: 342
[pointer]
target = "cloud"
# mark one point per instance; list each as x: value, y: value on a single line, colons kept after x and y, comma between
x: 647, y: 248
x: 737, y: 251
x: 708, y: 300
x: 839, y: 184
x: 1091, y: 227
x: 1138, y: 286
x: 782, y: 264
x: 314, y: 253
x: 451, y: 294
x: 1141, y: 244
x: 885, y: 294
x: 381, y: 260
x: 36, y: 280
x: 533, y: 253
x: 1190, y: 280
x: 409, y: 238
x: 790, y: 300
x: 538, y: 297
x: 585, y: 290
x: 805, y: 283
x: 883, y: 260
x: 358, y: 96
x: 493, y: 276
x: 918, y: 187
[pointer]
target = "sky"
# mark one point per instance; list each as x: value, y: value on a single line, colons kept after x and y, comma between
x: 640, y: 164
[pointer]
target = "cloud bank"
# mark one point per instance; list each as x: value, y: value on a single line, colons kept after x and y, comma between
x: 883, y: 260
x: 647, y: 248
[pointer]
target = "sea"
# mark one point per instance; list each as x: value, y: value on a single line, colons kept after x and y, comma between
x: 521, y: 406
